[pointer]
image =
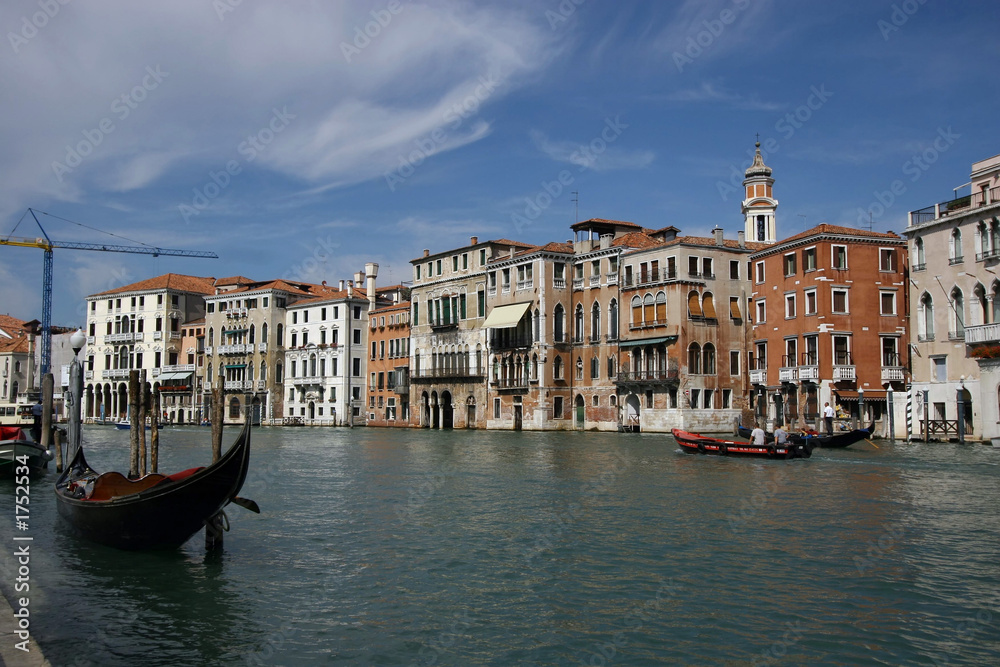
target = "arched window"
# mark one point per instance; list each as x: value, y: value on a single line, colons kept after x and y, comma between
x: 981, y: 314
x: 612, y: 367
x: 694, y: 305
x: 534, y: 367
x: 252, y: 338
x: 636, y: 311
x: 995, y: 294
x: 595, y: 322
x: 648, y: 309
x: 263, y: 333
x: 279, y: 337
x: 708, y: 306
x: 958, y: 314
x: 559, y: 323
x: 708, y: 359
x: 613, y: 320
x: 955, y: 246
x: 263, y: 371
x: 694, y: 359
x: 250, y: 371
x: 209, y: 374
x: 995, y: 237
x: 918, y: 253
x: 211, y: 336
x: 661, y: 308
x: 926, y: 317
x: 579, y: 368
x: 578, y: 324
x: 557, y: 369
x: 595, y: 368
x: 312, y: 365
x: 537, y: 327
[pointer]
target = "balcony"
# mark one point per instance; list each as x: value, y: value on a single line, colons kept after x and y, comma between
x: 402, y: 389
x: 261, y: 347
x: 956, y: 335
x: 987, y: 253
x: 236, y: 348
x: 810, y: 373
x: 526, y: 284
x: 208, y: 349
x: 91, y: 340
x: 509, y: 383
x: 788, y: 374
x: 502, y: 342
x: 431, y: 374
x: 844, y: 374
x: 559, y: 283
x: 758, y: 376
x: 958, y: 206
x: 577, y: 283
x: 983, y: 333
x: 88, y: 375
x: 613, y: 278
x: 595, y: 280
x: 178, y: 368
x: 505, y: 288
x: 648, y: 377
x: 893, y: 374
x: 115, y: 374
x: 239, y: 385
x: 157, y: 335
x: 594, y: 340
x: 925, y: 338
x: 922, y: 266
x: 175, y: 335
x: 129, y: 337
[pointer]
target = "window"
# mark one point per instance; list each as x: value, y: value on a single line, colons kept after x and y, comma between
x: 506, y: 280
x: 840, y: 300
x: 810, y: 299
x: 707, y: 270
x: 578, y: 324
x: 809, y: 259
x: 811, y: 356
x: 726, y: 398
x: 694, y: 359
x: 613, y: 320
x: 761, y: 311
x: 919, y: 260
x: 595, y: 401
x: 496, y: 408
x: 465, y: 260
x: 695, y: 397
x: 790, y: 264
x: 416, y: 313
x: 559, y: 323
x: 887, y: 303
x: 595, y: 368
x: 481, y: 303
x: 734, y: 309
x: 789, y: 306
x: 926, y: 322
x: 357, y: 336
x: 939, y: 369
x: 595, y: 322
x: 734, y: 362
x: 454, y: 263
x: 957, y: 314
x: 557, y: 407
x: 839, y: 253
x: 734, y: 269
x: 887, y: 259
x: 482, y: 256
x: 842, y: 351
x: 636, y: 312
x: 692, y: 267
x: 438, y: 267
x: 890, y: 352
x: 708, y: 359
x: 955, y: 246
x: 557, y: 369
x: 760, y: 272
x: 417, y: 269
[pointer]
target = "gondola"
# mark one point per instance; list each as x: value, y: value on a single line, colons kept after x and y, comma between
x: 693, y: 443
x: 835, y: 441
x: 16, y: 450
x: 155, y: 511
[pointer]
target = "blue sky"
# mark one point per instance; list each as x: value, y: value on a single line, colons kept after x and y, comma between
x: 292, y: 143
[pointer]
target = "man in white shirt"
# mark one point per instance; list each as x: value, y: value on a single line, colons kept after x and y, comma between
x: 828, y: 417
x: 757, y: 436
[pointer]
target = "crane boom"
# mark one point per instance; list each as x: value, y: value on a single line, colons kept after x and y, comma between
x: 46, y: 244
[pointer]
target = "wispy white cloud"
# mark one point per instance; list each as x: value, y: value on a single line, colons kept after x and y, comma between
x: 610, y: 158
x: 710, y: 93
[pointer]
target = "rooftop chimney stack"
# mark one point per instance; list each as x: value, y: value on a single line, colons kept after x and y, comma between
x: 371, y: 271
x: 742, y: 239
x: 718, y: 235
x: 427, y: 253
x: 350, y: 288
x: 341, y: 286
x: 474, y: 240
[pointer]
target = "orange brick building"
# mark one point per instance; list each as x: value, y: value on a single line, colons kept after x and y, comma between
x: 389, y: 365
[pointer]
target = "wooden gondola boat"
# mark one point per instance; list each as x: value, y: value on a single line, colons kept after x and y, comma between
x: 693, y: 443
x: 16, y: 449
x: 835, y: 441
x: 155, y: 511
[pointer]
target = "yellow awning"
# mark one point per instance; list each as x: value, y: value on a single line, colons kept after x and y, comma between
x: 694, y: 307
x: 734, y: 309
x: 504, y: 317
x: 709, y: 305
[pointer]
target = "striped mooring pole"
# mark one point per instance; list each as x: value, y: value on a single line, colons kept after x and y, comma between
x: 909, y: 411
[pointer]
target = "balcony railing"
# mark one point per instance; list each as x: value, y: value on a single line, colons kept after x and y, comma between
x: 559, y: 283
x: 175, y: 335
x: 577, y: 283
x: 922, y: 266
x: 925, y: 338
x: 178, y: 368
x: 758, y: 376
x: 788, y: 374
x: 595, y: 339
x: 955, y: 206
x: 510, y: 383
x: 664, y: 375
x: 402, y: 389
x: 982, y: 333
x: 91, y: 340
x: 892, y: 374
x: 613, y: 278
x: 510, y: 342
x: 128, y: 337
x: 651, y: 276
x: 444, y: 373
x: 595, y: 280
x: 114, y: 373
x: 987, y: 253
x: 239, y: 385
x: 526, y: 284
x: 157, y: 335
x: 956, y: 335
x: 955, y: 260
x: 842, y: 373
x: 88, y: 375
x: 810, y: 373
x: 492, y: 291
x: 236, y: 348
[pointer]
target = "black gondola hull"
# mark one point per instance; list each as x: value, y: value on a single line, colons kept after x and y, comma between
x: 694, y: 443
x: 836, y: 441
x: 164, y: 516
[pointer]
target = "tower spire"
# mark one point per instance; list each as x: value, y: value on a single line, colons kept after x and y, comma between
x: 759, y: 204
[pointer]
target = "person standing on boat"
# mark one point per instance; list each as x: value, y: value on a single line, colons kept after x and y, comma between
x: 780, y: 436
x: 757, y: 436
x: 828, y: 417
x: 36, y: 421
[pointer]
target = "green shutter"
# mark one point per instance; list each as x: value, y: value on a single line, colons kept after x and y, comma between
x: 416, y: 313
x: 461, y: 301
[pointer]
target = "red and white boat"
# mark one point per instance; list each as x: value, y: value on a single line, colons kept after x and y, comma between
x: 694, y: 443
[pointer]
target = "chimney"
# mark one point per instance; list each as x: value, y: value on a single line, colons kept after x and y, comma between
x: 606, y: 240
x: 371, y: 271
x: 341, y: 288
x: 474, y: 240
x: 743, y: 239
x: 427, y: 253
x: 512, y: 252
x: 718, y: 235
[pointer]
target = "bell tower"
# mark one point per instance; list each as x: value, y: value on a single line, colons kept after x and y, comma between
x: 759, y: 203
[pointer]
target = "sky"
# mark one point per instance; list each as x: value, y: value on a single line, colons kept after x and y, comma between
x: 300, y: 140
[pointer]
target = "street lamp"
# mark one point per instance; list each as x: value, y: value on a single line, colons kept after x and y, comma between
x: 960, y: 395
x: 892, y: 416
x: 861, y: 407
x: 75, y: 395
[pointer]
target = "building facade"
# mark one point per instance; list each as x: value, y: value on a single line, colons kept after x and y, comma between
x: 137, y: 327
x: 955, y: 296
x: 17, y: 366
x: 389, y: 365
x: 829, y: 310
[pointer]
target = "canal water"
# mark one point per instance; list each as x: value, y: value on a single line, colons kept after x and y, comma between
x: 408, y: 547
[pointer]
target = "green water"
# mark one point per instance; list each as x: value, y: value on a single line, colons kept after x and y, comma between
x: 390, y: 547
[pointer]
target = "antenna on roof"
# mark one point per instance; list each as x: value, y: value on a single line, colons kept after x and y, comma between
x: 870, y: 222
x: 576, y: 200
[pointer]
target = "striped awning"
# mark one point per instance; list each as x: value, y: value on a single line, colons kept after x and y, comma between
x: 236, y: 365
x: 649, y: 341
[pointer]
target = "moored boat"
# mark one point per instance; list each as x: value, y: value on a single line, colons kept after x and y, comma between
x: 124, y: 425
x: 155, y: 511
x: 17, y: 449
x: 694, y: 443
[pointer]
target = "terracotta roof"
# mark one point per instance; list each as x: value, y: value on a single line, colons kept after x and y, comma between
x: 556, y: 246
x: 402, y: 305
x: 516, y: 244
x: 635, y: 240
x: 602, y: 221
x: 173, y: 281
x: 19, y: 343
x: 11, y: 324
x: 299, y: 289
x: 233, y: 280
x: 710, y: 241
x: 838, y: 229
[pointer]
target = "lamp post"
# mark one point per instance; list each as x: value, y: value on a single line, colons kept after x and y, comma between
x: 892, y: 416
x: 861, y: 407
x: 75, y: 394
x: 961, y: 410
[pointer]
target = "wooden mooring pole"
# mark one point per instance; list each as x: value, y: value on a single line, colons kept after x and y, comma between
x: 143, y: 413
x: 154, y: 435
x: 133, y: 419
x: 214, y: 525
